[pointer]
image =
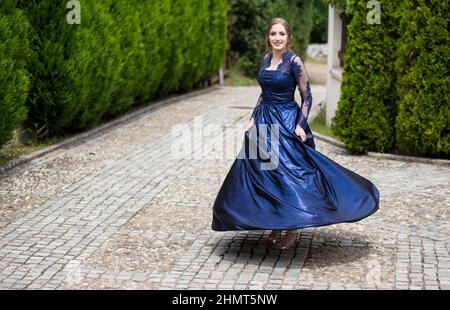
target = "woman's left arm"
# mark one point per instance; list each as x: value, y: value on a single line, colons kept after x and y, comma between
x: 301, y: 77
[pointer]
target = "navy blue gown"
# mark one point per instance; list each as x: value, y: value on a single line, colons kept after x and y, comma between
x: 280, y: 182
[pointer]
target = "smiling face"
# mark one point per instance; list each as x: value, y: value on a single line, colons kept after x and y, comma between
x: 278, y: 37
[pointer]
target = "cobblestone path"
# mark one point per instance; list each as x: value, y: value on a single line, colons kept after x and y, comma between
x: 117, y: 211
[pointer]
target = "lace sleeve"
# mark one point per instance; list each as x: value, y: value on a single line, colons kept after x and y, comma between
x: 260, y: 96
x: 298, y: 69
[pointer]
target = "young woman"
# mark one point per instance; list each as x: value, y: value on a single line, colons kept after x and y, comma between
x: 304, y: 188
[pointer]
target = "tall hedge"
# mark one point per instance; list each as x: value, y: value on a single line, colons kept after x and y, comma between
x: 195, y: 40
x: 14, y: 80
x: 394, y: 95
x: 123, y: 52
x: 249, y: 20
x: 74, y: 66
x: 365, y: 117
x: 423, y: 120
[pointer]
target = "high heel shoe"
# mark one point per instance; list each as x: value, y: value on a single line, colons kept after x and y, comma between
x: 283, y: 245
x: 273, y: 237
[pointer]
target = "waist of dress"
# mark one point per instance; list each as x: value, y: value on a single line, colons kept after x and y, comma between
x: 275, y: 101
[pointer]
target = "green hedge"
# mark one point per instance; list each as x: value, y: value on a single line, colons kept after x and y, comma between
x: 249, y: 20
x: 203, y: 35
x: 365, y: 117
x: 394, y: 95
x: 123, y: 52
x: 14, y: 80
x: 423, y: 120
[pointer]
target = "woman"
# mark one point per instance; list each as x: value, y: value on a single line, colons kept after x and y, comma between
x: 303, y: 188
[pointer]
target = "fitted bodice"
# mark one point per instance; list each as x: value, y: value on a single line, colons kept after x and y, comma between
x: 278, y: 86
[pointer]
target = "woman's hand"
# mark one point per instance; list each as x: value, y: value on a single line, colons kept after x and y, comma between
x: 300, y: 132
x: 249, y: 124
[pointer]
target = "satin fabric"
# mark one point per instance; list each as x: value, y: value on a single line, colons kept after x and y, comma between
x: 306, y: 188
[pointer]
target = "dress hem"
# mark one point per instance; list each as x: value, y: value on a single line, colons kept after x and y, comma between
x: 305, y: 226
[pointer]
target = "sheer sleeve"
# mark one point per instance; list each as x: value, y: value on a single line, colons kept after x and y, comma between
x: 301, y: 77
x: 260, y: 96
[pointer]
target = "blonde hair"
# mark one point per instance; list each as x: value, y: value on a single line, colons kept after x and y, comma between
x: 286, y: 26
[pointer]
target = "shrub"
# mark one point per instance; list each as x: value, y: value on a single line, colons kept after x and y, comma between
x: 395, y: 82
x: 365, y: 117
x: 14, y: 79
x: 423, y: 62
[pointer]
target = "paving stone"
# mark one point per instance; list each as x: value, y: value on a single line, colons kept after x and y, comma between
x: 99, y: 215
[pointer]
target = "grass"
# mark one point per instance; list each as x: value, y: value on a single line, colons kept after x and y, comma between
x: 319, y: 125
x: 235, y: 77
x: 12, y: 151
x: 316, y: 61
x: 314, y: 81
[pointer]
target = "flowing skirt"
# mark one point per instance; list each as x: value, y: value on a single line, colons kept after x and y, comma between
x: 280, y: 182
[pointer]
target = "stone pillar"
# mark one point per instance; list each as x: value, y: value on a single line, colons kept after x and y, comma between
x: 334, y: 70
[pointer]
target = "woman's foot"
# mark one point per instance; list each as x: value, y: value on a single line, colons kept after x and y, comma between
x: 273, y: 237
x: 287, y: 241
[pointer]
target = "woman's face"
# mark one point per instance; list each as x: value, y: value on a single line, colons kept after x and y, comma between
x: 278, y: 37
